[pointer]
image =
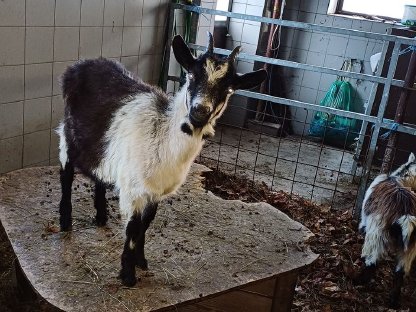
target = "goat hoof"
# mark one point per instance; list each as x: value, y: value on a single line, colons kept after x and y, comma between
x: 128, y: 280
x: 142, y: 264
x: 394, y: 303
x: 66, y: 225
x: 100, y: 221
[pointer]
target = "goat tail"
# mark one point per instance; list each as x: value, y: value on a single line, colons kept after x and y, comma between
x: 407, y: 224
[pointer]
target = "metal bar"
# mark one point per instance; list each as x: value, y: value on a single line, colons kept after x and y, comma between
x: 299, y: 25
x: 368, y: 109
x: 377, y: 126
x: 171, y: 21
x: 295, y: 103
x: 399, y: 116
x: 291, y: 64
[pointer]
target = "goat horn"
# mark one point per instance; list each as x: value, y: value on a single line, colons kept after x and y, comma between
x: 210, y: 48
x: 234, y: 54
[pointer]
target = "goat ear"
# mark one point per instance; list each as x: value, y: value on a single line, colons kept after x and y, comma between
x: 182, y: 53
x: 250, y: 80
x: 411, y: 158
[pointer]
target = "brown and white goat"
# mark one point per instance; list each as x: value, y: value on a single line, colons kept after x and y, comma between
x: 388, y: 219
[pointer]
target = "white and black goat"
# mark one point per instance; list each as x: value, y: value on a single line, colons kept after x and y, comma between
x: 126, y: 133
x: 388, y: 219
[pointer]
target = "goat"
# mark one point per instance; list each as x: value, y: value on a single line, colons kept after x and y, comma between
x: 126, y: 133
x: 388, y: 219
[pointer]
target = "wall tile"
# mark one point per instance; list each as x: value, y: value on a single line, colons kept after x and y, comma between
x: 322, y: 6
x: 90, y: 42
x: 58, y: 70
x: 302, y: 39
x: 380, y: 28
x: 67, y: 13
x: 306, y: 17
x: 37, y: 114
x: 356, y: 48
x: 113, y: 13
x: 250, y: 34
x: 38, y: 80
x: 342, y: 22
x: 66, y: 43
x: 12, y: 41
x: 12, y: 13
x: 131, y: 63
x: 11, y: 120
x: 324, y: 19
x: 315, y: 58
x: 11, y: 80
x: 145, y: 67
x: 235, y: 30
x: 134, y: 13
x: 131, y: 41
x: 92, y: 13
x: 151, y: 13
x: 112, y: 41
x: 147, y: 39
x: 40, y: 12
x: 54, y: 148
x: 36, y: 147
x: 362, y: 25
x: 311, y: 79
x: 337, y: 45
x: 319, y: 43
x: 58, y: 109
x: 256, y: 10
x: 39, y: 44
x: 11, y: 154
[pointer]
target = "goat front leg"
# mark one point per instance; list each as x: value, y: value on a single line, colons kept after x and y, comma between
x: 128, y: 258
x: 148, y: 215
x: 394, y: 300
x: 100, y: 204
x: 65, y: 206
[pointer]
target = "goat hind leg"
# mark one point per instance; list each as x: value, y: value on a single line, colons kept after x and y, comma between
x: 65, y: 206
x: 147, y: 217
x: 394, y: 299
x: 100, y: 204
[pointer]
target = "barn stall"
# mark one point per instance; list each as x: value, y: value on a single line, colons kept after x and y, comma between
x: 289, y: 135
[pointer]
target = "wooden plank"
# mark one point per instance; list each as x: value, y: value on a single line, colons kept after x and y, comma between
x: 284, y: 291
x: 199, y: 245
x: 238, y: 301
x: 265, y: 288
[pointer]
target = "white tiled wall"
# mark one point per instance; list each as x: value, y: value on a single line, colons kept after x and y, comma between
x: 323, y: 49
x: 39, y: 38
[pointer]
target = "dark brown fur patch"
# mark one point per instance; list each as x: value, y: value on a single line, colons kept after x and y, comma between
x: 391, y: 199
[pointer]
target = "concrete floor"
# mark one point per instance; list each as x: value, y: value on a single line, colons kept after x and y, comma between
x: 292, y: 164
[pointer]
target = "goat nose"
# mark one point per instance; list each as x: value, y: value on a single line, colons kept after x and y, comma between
x: 201, y: 111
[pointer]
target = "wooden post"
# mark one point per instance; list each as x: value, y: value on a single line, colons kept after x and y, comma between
x: 22, y: 285
x: 284, y: 290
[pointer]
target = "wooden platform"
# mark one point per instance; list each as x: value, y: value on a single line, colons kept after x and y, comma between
x: 204, y: 253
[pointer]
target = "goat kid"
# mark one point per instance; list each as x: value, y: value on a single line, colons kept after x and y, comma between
x: 126, y: 133
x: 388, y: 219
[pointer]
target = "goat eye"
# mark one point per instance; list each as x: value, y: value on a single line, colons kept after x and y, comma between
x: 230, y: 90
x: 191, y: 76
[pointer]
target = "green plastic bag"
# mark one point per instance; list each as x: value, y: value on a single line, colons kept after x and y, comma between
x: 335, y: 130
